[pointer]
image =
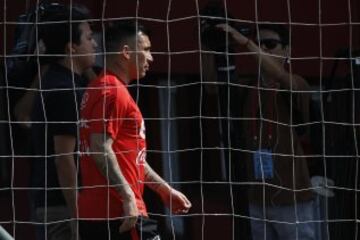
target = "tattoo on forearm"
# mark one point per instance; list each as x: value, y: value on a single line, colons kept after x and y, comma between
x: 109, y: 168
x: 153, y: 180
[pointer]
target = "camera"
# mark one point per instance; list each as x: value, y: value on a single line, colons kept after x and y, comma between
x: 213, y: 37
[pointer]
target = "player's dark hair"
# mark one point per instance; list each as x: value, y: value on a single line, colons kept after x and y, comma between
x: 280, y: 29
x: 61, y: 26
x: 120, y: 32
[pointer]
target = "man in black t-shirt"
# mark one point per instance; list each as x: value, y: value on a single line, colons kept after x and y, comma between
x: 55, y: 117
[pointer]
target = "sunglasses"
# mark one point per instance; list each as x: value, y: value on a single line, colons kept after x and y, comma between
x: 269, y: 43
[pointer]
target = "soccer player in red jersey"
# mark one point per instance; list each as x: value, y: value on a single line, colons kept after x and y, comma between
x: 113, y: 164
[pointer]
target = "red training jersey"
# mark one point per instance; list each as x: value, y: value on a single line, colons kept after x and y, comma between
x: 107, y: 107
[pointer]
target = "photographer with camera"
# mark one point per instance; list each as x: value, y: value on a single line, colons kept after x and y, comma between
x: 280, y: 201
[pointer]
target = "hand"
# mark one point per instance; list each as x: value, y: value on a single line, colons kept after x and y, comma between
x: 177, y: 201
x: 131, y: 214
x: 323, y: 186
x: 237, y: 36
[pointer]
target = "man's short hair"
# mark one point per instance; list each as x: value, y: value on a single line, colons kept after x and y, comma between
x: 120, y: 32
x: 280, y: 29
x: 61, y: 26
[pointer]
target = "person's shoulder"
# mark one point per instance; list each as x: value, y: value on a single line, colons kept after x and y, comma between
x: 107, y: 79
x: 109, y: 84
x: 57, y: 76
x: 113, y: 81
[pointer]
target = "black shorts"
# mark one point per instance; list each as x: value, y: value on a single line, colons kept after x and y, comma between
x: 145, y: 229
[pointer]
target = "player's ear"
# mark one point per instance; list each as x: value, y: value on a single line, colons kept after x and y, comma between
x: 126, y: 52
x: 70, y: 48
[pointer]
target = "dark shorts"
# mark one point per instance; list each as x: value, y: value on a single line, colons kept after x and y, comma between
x: 145, y: 229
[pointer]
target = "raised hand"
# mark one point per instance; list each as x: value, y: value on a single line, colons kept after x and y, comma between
x: 237, y: 36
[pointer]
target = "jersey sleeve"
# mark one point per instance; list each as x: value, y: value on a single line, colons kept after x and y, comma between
x: 109, y: 111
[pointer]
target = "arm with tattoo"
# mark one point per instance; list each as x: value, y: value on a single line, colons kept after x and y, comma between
x: 173, y: 199
x: 106, y: 162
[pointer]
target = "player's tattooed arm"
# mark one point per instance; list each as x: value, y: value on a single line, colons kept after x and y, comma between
x: 105, y: 159
x: 154, y: 181
x: 176, y: 201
